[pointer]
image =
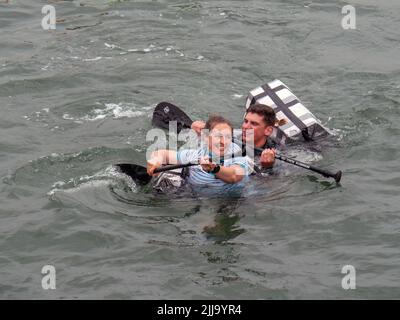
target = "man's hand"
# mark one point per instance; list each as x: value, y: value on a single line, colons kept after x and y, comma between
x: 197, y: 126
x: 268, y: 158
x: 206, y: 164
x: 153, y: 164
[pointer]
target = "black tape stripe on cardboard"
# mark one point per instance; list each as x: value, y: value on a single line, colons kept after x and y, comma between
x: 281, y: 106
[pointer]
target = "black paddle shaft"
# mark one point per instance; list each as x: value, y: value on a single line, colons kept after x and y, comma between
x: 174, y: 166
x: 326, y: 173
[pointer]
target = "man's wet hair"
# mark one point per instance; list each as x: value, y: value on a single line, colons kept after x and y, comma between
x: 214, y: 120
x: 267, y: 113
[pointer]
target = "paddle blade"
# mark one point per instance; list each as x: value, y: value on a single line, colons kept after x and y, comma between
x: 136, y: 172
x: 166, y: 112
x: 338, y: 176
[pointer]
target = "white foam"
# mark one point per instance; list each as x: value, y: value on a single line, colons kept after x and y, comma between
x: 93, y: 59
x: 86, y: 185
x: 111, y: 46
x: 150, y: 48
x: 66, y: 116
x: 113, y: 110
x: 121, y: 111
x: 181, y: 54
x: 109, y: 176
x: 237, y: 96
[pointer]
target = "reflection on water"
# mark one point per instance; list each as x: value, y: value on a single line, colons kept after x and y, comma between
x: 224, y: 228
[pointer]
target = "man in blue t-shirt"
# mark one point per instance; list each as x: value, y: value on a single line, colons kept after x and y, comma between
x: 221, y: 164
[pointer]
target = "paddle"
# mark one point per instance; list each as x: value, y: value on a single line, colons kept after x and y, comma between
x: 139, y: 173
x: 328, y: 174
x: 166, y: 112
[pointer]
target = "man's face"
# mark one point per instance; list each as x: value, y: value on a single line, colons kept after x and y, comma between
x: 219, y: 139
x: 255, y: 122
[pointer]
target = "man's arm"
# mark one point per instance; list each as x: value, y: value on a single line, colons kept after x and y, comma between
x: 231, y: 174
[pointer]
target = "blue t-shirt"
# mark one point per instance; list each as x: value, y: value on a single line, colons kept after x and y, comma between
x: 200, y: 178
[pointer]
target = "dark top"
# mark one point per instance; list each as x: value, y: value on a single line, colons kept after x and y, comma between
x: 257, y: 153
x: 268, y: 145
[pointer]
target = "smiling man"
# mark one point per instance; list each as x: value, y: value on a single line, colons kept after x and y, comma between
x: 258, y: 125
x: 219, y: 169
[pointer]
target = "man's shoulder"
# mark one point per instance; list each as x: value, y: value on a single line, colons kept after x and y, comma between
x: 235, y: 148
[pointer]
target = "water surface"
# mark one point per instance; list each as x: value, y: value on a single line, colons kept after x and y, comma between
x: 77, y: 99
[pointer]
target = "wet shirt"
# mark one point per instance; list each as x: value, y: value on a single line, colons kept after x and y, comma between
x: 201, y: 178
x: 257, y: 152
